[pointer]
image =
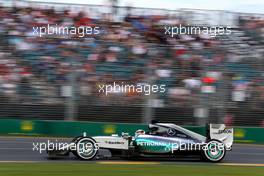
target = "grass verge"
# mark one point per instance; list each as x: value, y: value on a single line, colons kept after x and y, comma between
x: 94, y: 169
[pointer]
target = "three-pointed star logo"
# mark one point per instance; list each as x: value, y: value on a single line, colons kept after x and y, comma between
x: 171, y: 131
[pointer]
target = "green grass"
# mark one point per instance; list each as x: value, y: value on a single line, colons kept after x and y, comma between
x: 92, y: 169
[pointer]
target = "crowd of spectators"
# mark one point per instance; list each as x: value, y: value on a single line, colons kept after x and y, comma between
x: 45, y: 69
x: 254, y: 26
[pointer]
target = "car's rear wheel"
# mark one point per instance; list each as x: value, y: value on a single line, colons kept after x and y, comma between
x: 214, y: 151
x: 86, y: 148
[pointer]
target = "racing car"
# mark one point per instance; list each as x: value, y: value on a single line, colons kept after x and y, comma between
x: 161, y: 140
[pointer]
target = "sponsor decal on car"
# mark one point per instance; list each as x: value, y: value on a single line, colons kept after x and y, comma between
x: 227, y: 131
x: 114, y: 142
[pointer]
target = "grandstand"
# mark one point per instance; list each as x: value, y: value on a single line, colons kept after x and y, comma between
x: 38, y: 74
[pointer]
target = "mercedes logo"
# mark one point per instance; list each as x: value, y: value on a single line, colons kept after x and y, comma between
x: 171, y: 132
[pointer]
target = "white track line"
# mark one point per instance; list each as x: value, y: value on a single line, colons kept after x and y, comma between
x: 240, y: 164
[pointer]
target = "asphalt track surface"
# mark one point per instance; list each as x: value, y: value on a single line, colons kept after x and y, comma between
x: 20, y: 149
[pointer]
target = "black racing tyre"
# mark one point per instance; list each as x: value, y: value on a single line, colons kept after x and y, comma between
x: 74, y: 140
x: 86, y: 148
x: 213, y: 151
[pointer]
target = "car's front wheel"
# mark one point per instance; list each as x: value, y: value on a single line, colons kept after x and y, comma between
x: 86, y: 148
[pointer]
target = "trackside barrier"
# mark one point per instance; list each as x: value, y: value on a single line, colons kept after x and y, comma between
x: 71, y: 129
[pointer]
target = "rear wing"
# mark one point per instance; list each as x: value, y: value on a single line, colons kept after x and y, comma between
x: 222, y: 133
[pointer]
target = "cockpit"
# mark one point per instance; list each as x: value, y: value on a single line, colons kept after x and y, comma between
x: 172, y: 130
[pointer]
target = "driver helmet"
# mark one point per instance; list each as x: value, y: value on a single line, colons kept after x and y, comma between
x: 139, y: 132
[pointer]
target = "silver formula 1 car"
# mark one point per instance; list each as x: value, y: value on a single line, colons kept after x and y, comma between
x: 161, y: 140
